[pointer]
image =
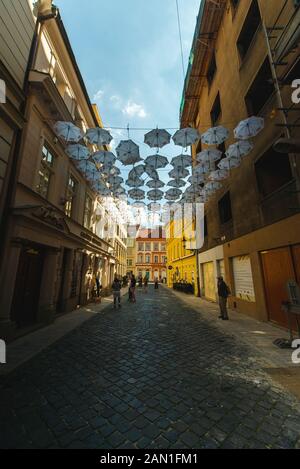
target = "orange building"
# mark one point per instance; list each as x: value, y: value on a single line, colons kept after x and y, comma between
x: 151, y: 254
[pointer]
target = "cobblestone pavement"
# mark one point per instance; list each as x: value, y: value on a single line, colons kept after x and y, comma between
x: 151, y: 375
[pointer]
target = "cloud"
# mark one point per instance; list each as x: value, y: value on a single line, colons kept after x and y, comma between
x: 133, y: 109
x: 98, y: 96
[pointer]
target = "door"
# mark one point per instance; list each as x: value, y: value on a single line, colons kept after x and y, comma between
x: 27, y: 287
x: 278, y: 270
x: 209, y: 281
x: 296, y: 258
x: 243, y: 280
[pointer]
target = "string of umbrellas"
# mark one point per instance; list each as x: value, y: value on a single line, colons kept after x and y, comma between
x: 91, y: 154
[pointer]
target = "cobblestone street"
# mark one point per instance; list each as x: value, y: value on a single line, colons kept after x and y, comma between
x: 152, y: 375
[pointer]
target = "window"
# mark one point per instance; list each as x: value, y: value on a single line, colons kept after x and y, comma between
x: 155, y: 259
x: 212, y: 70
x: 71, y: 192
x: 252, y: 22
x: 225, y: 212
x: 88, y: 212
x: 216, y: 110
x: 148, y: 260
x: 140, y: 258
x: 129, y: 262
x: 163, y: 247
x: 156, y: 247
x: 261, y: 90
x: 273, y: 170
x: 148, y: 247
x: 45, y: 172
x: 141, y: 247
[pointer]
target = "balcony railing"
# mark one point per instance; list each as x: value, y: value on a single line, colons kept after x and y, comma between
x: 283, y: 203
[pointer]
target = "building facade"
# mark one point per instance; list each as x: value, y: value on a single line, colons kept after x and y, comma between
x: 151, y: 254
x: 131, y: 255
x: 244, y: 59
x: 56, y: 243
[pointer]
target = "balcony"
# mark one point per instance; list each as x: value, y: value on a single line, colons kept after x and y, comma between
x: 283, y: 203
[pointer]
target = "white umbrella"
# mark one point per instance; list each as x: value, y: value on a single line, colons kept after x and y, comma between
x: 105, y: 192
x: 219, y: 175
x: 240, y: 149
x: 179, y: 173
x: 138, y: 204
x: 106, y: 158
x: 229, y: 163
x: 177, y: 183
x: 157, y: 138
x: 135, y: 182
x: 137, y: 171
x: 197, y: 179
x: 86, y: 166
x: 155, y: 184
x: 186, y: 137
x: 152, y: 173
x: 108, y: 170
x: 128, y: 152
x: 115, y: 180
x: 136, y: 194
x: 155, y: 195
x: 157, y: 161
x: 202, y: 168
x: 119, y: 191
x: 215, y: 136
x: 182, y: 160
x: 173, y: 194
x: 78, y: 152
x: 98, y: 136
x: 212, y: 186
x: 249, y: 128
x: 209, y: 156
x: 68, y: 131
x: 154, y: 207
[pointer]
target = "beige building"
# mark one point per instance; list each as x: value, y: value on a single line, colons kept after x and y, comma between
x: 56, y: 244
x: 131, y: 255
x: 151, y: 254
x: 244, y: 59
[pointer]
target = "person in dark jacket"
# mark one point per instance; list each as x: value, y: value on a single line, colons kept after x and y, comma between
x: 223, y: 292
x: 116, y: 288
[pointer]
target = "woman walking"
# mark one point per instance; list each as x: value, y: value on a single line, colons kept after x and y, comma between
x: 146, y: 284
x: 132, y: 288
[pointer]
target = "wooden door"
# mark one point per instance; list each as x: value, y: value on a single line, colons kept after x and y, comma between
x: 27, y: 288
x: 278, y: 270
x: 209, y: 281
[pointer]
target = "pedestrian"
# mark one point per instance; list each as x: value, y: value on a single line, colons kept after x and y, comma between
x: 140, y: 282
x: 116, y: 288
x: 146, y: 284
x: 156, y: 283
x: 98, y: 286
x: 223, y: 292
x: 132, y: 288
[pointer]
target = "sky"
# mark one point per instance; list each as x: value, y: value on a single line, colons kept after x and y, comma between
x: 129, y: 54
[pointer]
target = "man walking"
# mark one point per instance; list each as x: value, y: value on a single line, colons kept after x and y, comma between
x: 223, y: 292
x: 116, y: 288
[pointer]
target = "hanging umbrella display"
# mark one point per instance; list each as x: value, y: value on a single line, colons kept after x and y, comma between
x: 155, y: 195
x: 86, y: 166
x: 78, y: 152
x: 177, y: 183
x: 98, y: 136
x: 249, y: 128
x: 119, y: 191
x: 108, y: 170
x: 212, y: 187
x: 201, y: 169
x: 209, y: 156
x: 154, y: 207
x: 179, y: 173
x: 105, y: 192
x: 68, y: 131
x: 240, y: 149
x: 186, y: 137
x: 151, y: 172
x: 182, y: 160
x: 107, y: 158
x: 157, y: 138
x: 115, y: 180
x: 137, y: 171
x: 229, y: 163
x: 128, y: 152
x: 219, y: 175
x: 157, y: 161
x: 196, y: 179
x: 137, y: 204
x: 155, y: 184
x: 173, y: 194
x: 98, y: 185
x: 135, y: 182
x: 136, y: 194
x: 215, y: 136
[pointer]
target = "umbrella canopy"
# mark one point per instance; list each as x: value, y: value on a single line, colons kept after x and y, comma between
x: 154, y: 207
x: 249, y: 128
x: 212, y: 186
x: 137, y: 171
x: 240, y: 149
x: 78, y: 152
x: 219, y: 175
x: 229, y: 163
x: 106, y: 158
x: 105, y: 192
x: 135, y: 182
x: 182, y: 160
x: 177, y: 183
x: 152, y: 173
x: 86, y: 166
x: 115, y: 180
x: 155, y: 184
x: 138, y: 204
x: 128, y: 152
x: 209, y: 156
x: 68, y: 131
x: 179, y: 173
x: 196, y: 179
x: 186, y: 137
x: 98, y: 136
x: 215, y: 136
x: 136, y: 194
x: 157, y: 138
x: 201, y: 169
x: 157, y: 161
x: 119, y: 191
x: 155, y: 195
x: 173, y: 194
x: 108, y: 170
